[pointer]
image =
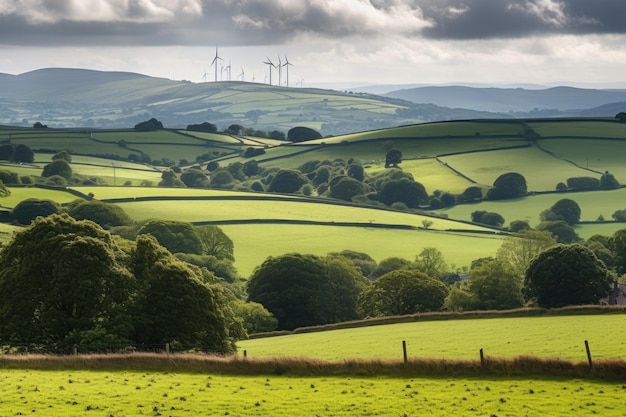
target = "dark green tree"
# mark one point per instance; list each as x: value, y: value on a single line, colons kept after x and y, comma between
x: 472, y: 193
x: 402, y: 292
x: 287, y: 181
x: 306, y: 290
x: 173, y: 235
x: 194, y: 178
x: 170, y: 179
x: 65, y: 155
x: 566, y: 275
x: 6, y: 152
x: 23, y: 154
x: 509, y: 185
x: 391, y: 264
x: 494, y: 286
x: 149, y: 125
x: 562, y: 232
x: 58, y: 167
x: 356, y: 171
x: 302, y: 134
x: 105, y: 214
x: 583, y: 183
x: 608, y: 181
x: 346, y: 188
x: 407, y: 191
x: 221, y: 179
x: 621, y: 116
x: 215, y: 242
x: 28, y: 210
x: 365, y: 263
x: 488, y: 218
x: 393, y: 158
x: 564, y: 209
x: 202, y: 127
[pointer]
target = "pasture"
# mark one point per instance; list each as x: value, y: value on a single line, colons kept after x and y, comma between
x: 124, y: 393
x: 505, y: 337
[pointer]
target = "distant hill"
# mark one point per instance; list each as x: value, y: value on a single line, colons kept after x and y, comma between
x: 65, y: 97
x: 504, y: 100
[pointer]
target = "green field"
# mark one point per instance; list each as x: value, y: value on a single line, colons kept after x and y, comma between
x: 596, y: 128
x: 607, y: 155
x: 106, y: 393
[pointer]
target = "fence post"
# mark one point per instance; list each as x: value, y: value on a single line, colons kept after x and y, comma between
x: 404, y: 351
x: 245, y: 354
x: 167, y: 348
x: 75, y: 350
x: 588, y: 354
x: 482, y: 357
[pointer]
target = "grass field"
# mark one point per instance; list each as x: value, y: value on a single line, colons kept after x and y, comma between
x: 579, y: 128
x: 130, y: 393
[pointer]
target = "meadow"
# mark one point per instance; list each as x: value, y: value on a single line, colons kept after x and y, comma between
x: 124, y: 393
x: 560, y: 337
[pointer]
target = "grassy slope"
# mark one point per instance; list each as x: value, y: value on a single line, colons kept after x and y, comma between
x: 547, y: 336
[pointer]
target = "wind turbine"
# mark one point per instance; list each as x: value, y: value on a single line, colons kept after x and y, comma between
x: 242, y: 75
x: 287, y: 64
x: 280, y: 72
x: 270, y: 64
x: 228, y: 70
x: 204, y: 76
x: 214, y: 63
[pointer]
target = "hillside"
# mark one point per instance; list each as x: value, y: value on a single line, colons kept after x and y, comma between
x: 84, y: 98
x: 562, y: 101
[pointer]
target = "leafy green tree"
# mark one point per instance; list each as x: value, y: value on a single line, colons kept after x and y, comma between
x: 58, y: 167
x: 356, y: 171
x: 23, y: 153
x: 6, y: 152
x: 517, y: 226
x: 431, y: 262
x: 566, y: 275
x: 494, y: 286
x: 194, y: 178
x: 306, y: 290
x: 256, y: 318
x: 617, y: 245
x: 365, y: 263
x: 4, y: 191
x: 170, y: 179
x: 608, y: 181
x: 287, y: 181
x: 251, y: 168
x: 28, y: 210
x: 562, y: 232
x: 564, y: 209
x: 221, y: 268
x: 105, y: 214
x: 215, y: 242
x: 221, y: 179
x: 64, y: 155
x: 322, y: 175
x: 149, y: 125
x: 509, y: 185
x: 402, y: 292
x: 346, y: 188
x: 391, y: 264
x: 519, y: 250
x: 302, y: 134
x: 583, y: 183
x: 393, y: 158
x: 202, y: 127
x: 472, y: 193
x: 621, y: 116
x: 488, y: 218
x: 407, y: 191
x: 173, y: 235
x: 60, y: 281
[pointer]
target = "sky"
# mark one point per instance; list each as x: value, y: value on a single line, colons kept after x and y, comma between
x: 344, y: 42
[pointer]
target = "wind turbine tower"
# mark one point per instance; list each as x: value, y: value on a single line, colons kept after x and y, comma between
x: 215, y: 61
x: 287, y: 64
x: 280, y: 72
x: 204, y: 76
x: 242, y: 75
x: 270, y: 64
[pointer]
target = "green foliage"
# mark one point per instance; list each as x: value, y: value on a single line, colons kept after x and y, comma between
x: 617, y: 244
x: 255, y: 317
x: 608, y: 181
x: 149, y: 125
x: 356, y: 171
x: 393, y: 158
x: 202, y: 127
x: 194, y: 178
x: 105, y: 214
x: 495, y: 286
x: 286, y: 181
x: 215, y: 242
x: 170, y: 179
x: 566, y: 275
x: 390, y: 264
x: 520, y: 249
x: 409, y: 192
x: 402, y: 292
x: 221, y: 178
x: 6, y: 152
x: 221, y: 268
x: 619, y: 215
x: 58, y: 167
x: 4, y: 191
x: 365, y: 263
x: 173, y: 235
x: 64, y: 155
x: 346, y: 188
x: 517, y: 226
x: 306, y: 290
x: 564, y: 209
x: 490, y: 218
x: 583, y: 183
x: 302, y: 134
x: 472, y: 193
x: 28, y: 210
x: 509, y: 185
x: 431, y: 262
x: 562, y: 232
x: 23, y: 153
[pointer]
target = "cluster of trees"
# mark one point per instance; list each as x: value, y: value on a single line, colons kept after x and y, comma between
x: 16, y: 153
x: 607, y: 181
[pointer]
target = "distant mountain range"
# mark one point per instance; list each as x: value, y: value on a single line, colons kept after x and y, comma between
x: 67, y: 97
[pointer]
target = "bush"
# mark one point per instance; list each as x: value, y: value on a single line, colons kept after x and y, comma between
x: 583, y: 183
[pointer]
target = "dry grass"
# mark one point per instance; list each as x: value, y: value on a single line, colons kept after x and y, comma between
x: 522, y: 366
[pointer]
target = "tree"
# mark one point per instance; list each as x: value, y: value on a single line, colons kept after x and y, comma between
x: 509, y: 185
x: 619, y: 215
x: 390, y: 264
x: 221, y: 179
x: 170, y: 179
x: 65, y: 155
x: 255, y: 317
x: 356, y: 171
x: 564, y: 209
x: 562, y: 232
x: 402, y: 292
x: 393, y: 158
x: 566, y: 275
x: 494, y: 286
x: 488, y: 218
x: 409, y: 192
x: 105, y: 214
x: 431, y: 262
x: 518, y: 251
x: 608, y: 181
x: 302, y: 134
x: 58, y: 167
x: 39, y: 125
x: 173, y: 235
x: 306, y: 290
x: 365, y: 263
x: 517, y: 226
x: 215, y: 242
x: 6, y: 152
x: 472, y: 193
x: 287, y: 181
x: 617, y: 245
x: 193, y: 177
x: 149, y: 125
x: 28, y: 210
x: 251, y: 168
x: 23, y: 154
x: 61, y: 283
x: 202, y: 127
x: 346, y: 188
x: 621, y: 116
x: 583, y: 183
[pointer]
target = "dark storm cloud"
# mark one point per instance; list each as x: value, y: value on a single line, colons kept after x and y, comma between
x: 483, y: 19
x: 250, y: 22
